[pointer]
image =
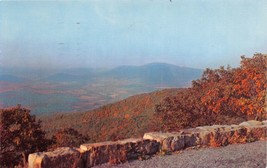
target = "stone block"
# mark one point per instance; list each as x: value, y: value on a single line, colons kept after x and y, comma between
x: 178, y: 143
x: 158, y: 136
x: 204, y: 137
x: 115, y: 152
x: 264, y: 122
x: 172, y: 141
x: 251, y: 123
x: 257, y: 132
x: 61, y: 158
x: 192, y: 137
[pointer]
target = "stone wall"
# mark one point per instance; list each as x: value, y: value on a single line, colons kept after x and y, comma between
x: 115, y: 152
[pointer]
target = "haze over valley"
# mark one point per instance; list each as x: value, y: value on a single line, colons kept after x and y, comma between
x: 82, y: 89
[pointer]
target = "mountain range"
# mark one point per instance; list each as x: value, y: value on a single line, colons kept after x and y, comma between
x: 11, y: 78
x: 154, y: 74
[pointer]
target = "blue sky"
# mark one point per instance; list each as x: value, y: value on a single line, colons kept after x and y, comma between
x: 193, y: 33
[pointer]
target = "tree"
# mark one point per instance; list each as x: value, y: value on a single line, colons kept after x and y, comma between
x: 21, y: 135
x: 181, y: 111
x: 250, y: 84
x: 68, y: 137
x: 224, y: 95
x: 217, y: 88
x: 236, y: 92
x: 5, y: 147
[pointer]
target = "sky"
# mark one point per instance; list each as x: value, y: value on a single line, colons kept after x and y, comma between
x: 109, y: 33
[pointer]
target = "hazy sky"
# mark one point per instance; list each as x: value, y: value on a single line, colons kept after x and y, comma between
x: 104, y: 33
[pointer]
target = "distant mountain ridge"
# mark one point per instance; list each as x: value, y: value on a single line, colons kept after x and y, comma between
x: 156, y: 74
x: 90, y: 88
x: 153, y: 74
x: 63, y: 77
x: 11, y: 78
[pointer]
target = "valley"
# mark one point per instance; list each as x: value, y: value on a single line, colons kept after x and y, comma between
x: 82, y: 89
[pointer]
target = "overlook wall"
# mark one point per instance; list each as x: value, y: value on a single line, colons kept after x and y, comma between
x: 115, y: 152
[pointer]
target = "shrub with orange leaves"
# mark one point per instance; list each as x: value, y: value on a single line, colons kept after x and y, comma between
x: 250, y: 84
x: 219, y: 95
x: 68, y: 137
x: 236, y: 91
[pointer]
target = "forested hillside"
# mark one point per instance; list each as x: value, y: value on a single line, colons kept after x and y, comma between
x: 130, y: 117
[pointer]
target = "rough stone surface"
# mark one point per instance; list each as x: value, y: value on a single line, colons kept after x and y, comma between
x: 257, y: 133
x: 169, y: 141
x: 61, y: 158
x: 251, y: 123
x: 177, y: 143
x: 118, y: 151
x: 158, y: 136
x: 264, y: 122
x: 173, y: 143
x: 215, y: 135
x: 191, y: 137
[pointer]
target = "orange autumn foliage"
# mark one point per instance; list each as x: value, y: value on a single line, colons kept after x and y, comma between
x: 240, y: 90
x: 250, y: 86
x: 68, y: 137
x: 220, y: 95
